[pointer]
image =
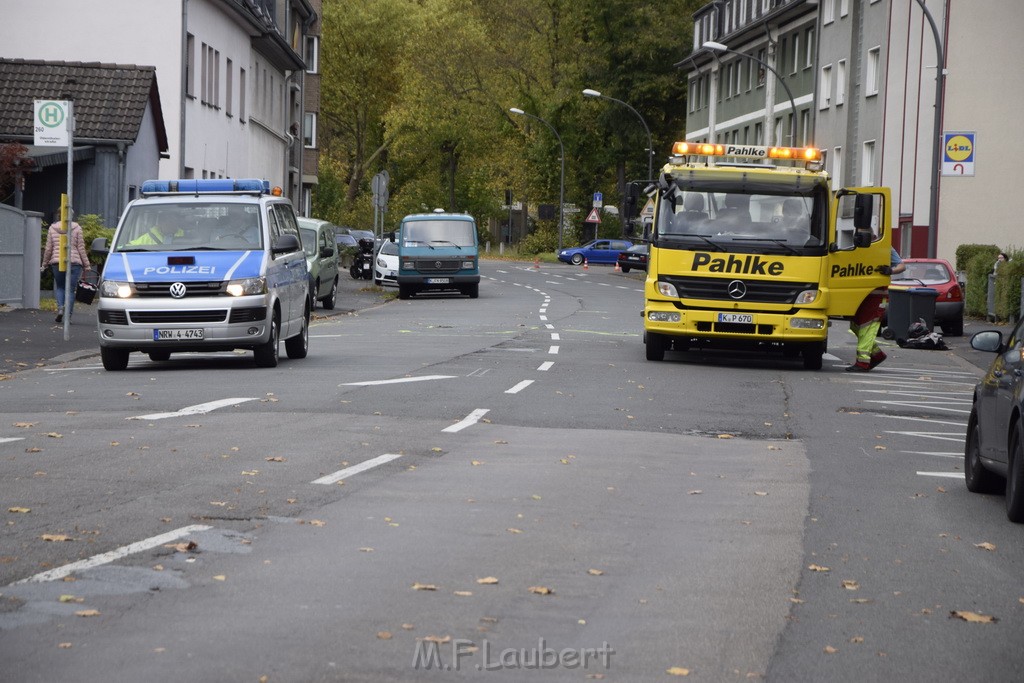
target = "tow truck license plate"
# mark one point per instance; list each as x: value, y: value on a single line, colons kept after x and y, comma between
x: 747, y: 318
x: 190, y: 333
x: 437, y: 281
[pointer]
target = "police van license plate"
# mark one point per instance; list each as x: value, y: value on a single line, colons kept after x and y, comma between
x: 437, y: 281
x: 189, y: 333
x: 747, y: 318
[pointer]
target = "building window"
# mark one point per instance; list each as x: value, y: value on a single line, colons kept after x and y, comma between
x: 760, y: 68
x: 871, y: 80
x: 203, y: 73
x: 796, y: 52
x: 778, y: 131
x: 809, y: 48
x: 759, y: 133
x: 828, y: 11
x: 844, y: 7
x: 190, y: 65
x: 216, y: 79
x: 229, y: 86
x: 840, y: 82
x: 751, y: 70
x: 805, y: 125
x: 825, y: 91
x: 837, y: 167
x: 309, y: 130
x: 241, y: 95
x: 867, y: 169
x: 312, y: 54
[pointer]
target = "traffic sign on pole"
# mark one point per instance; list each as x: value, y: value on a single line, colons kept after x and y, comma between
x: 598, y: 200
x: 594, y: 216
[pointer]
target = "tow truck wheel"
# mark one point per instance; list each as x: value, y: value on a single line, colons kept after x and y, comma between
x: 404, y: 291
x: 812, y: 355
x: 655, y: 345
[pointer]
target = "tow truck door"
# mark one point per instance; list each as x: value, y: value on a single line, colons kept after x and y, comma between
x: 853, y: 262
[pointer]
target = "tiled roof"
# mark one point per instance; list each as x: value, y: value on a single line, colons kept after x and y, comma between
x: 109, y: 99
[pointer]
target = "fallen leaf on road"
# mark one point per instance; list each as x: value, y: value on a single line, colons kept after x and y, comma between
x: 25, y: 425
x: 973, y: 617
x: 850, y: 584
x: 857, y: 640
x: 274, y: 458
x: 33, y: 449
x: 440, y: 640
x: 760, y: 493
x: 220, y: 577
x: 985, y: 546
x: 462, y: 594
x: 677, y: 671
x: 880, y: 448
x: 501, y: 441
x: 541, y: 590
x: 87, y: 613
x: 182, y: 547
x: 818, y: 568
x: 56, y: 538
x: 861, y: 601
x: 366, y: 550
x: 22, y: 510
x: 725, y: 436
x: 55, y: 435
x: 796, y: 601
x: 474, y: 463
x: 512, y: 530
x: 424, y: 586
x: 71, y: 598
x: 64, y: 646
x: 317, y: 522
x: 696, y: 492
x: 384, y: 635
x: 487, y: 581
x: 407, y: 627
x: 829, y: 650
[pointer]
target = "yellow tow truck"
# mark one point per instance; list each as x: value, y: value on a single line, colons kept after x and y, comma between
x: 750, y: 247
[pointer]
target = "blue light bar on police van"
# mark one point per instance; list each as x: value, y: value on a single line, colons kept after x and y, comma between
x: 205, y: 185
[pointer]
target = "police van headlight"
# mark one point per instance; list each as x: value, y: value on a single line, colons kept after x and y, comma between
x: 806, y: 323
x: 808, y: 296
x: 666, y: 289
x: 248, y: 286
x: 112, y: 289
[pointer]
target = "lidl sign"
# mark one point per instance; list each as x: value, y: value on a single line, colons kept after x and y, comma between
x: 958, y: 151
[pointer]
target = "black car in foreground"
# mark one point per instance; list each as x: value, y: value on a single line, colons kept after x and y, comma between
x: 994, y: 450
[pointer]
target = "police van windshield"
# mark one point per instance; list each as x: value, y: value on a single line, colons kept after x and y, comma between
x: 733, y: 220
x: 438, y: 233
x: 186, y: 227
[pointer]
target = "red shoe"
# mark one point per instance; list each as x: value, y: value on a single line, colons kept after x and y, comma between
x: 877, y: 359
x: 859, y: 366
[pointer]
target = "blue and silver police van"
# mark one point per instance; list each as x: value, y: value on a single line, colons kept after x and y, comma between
x: 438, y: 252
x: 204, y: 265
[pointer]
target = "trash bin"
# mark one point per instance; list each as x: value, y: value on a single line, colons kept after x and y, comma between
x: 907, y: 305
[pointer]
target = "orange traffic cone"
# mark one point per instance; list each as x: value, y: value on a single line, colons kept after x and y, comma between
x: 586, y: 265
x: 617, y: 269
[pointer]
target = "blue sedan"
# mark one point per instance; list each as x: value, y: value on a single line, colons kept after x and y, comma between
x: 598, y: 251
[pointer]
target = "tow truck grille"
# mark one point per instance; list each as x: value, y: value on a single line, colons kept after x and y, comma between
x: 758, y: 291
x: 438, y: 265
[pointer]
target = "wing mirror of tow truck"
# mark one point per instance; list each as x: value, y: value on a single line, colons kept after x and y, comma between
x: 390, y: 236
x: 863, y: 210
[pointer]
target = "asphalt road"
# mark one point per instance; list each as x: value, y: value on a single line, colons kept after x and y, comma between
x: 481, y: 485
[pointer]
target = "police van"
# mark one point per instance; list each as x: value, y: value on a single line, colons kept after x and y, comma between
x: 204, y: 265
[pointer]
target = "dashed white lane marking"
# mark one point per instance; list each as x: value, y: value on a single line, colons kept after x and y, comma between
x: 941, y: 436
x: 194, y: 410
x: 8, y: 439
x: 545, y: 366
x: 550, y: 326
x: 543, y: 317
x: 555, y: 337
x: 949, y: 475
x: 519, y: 387
x: 937, y: 454
x: 116, y: 554
x: 397, y: 380
x: 356, y: 469
x: 924, y: 419
x: 553, y: 350
x: 467, y: 421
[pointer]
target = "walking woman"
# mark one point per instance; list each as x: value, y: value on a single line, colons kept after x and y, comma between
x: 51, y: 259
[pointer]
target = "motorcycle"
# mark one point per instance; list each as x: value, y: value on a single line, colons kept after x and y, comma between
x: 362, y: 262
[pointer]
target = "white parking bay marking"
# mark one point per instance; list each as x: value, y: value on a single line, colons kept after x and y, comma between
x: 553, y: 350
x: 519, y: 387
x: 116, y: 554
x: 356, y: 469
x: 194, y: 410
x: 467, y: 421
x: 948, y: 475
x: 399, y: 380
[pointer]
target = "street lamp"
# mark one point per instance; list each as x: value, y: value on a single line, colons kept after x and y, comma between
x: 650, y: 146
x: 561, y: 183
x: 718, y: 47
x: 940, y: 72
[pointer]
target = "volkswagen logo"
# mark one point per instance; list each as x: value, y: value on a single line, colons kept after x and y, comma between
x: 178, y: 290
x: 736, y: 289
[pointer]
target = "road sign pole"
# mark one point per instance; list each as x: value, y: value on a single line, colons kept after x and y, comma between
x: 68, y: 290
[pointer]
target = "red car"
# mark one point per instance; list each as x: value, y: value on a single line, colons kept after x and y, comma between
x: 937, y: 274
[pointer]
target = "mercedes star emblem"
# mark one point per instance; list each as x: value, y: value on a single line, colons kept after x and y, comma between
x: 736, y: 289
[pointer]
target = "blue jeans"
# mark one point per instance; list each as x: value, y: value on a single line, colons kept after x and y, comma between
x: 59, y: 283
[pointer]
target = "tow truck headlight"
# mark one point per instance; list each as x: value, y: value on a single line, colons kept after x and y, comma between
x: 112, y: 289
x: 666, y: 289
x: 663, y: 316
x: 808, y: 296
x: 806, y: 323
x: 247, y: 286
x: 468, y: 265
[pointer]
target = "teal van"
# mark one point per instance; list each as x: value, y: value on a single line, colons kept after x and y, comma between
x: 438, y: 252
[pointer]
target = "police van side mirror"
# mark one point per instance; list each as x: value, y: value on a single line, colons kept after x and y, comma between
x: 284, y: 244
x: 99, y: 246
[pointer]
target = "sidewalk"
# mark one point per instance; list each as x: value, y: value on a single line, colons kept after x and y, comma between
x: 30, y: 338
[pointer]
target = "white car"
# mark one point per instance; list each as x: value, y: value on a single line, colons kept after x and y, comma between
x: 386, y: 264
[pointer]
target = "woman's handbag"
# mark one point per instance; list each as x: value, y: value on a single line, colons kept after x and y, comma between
x: 85, y: 292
